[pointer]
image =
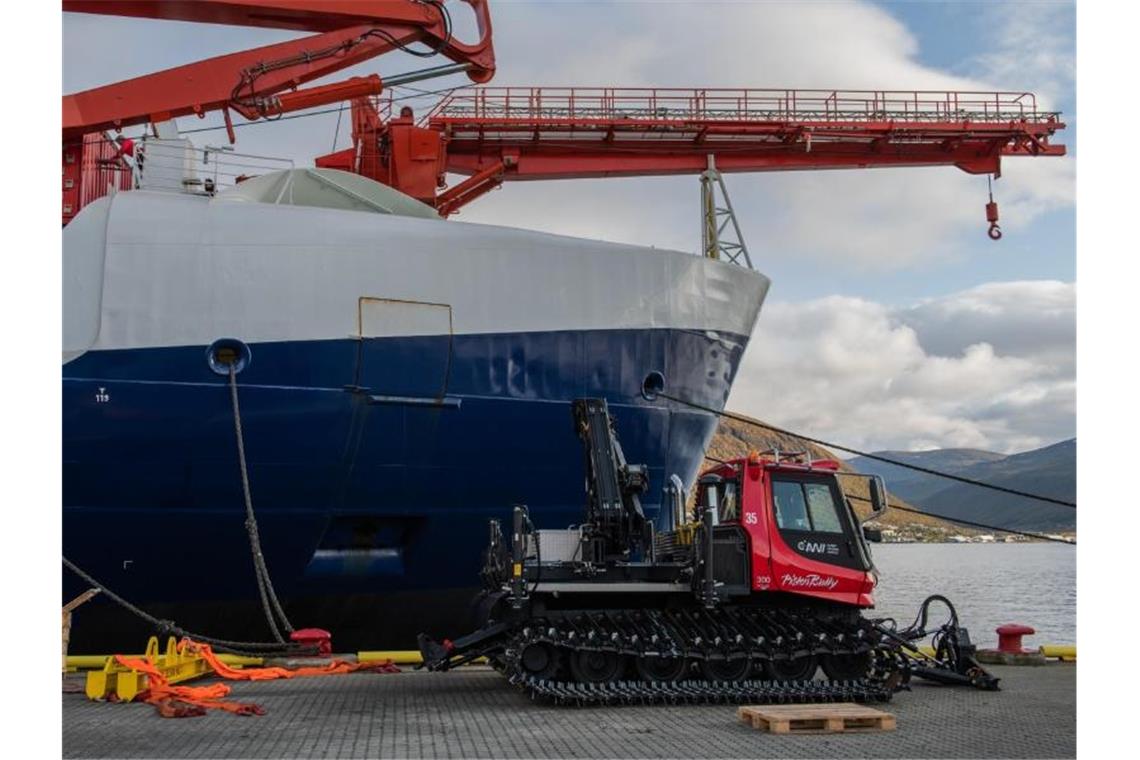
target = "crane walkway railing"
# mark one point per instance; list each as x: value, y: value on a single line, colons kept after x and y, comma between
x: 738, y: 105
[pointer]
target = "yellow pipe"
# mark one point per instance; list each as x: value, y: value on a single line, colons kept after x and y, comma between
x: 1063, y: 652
x: 97, y: 661
x: 398, y: 656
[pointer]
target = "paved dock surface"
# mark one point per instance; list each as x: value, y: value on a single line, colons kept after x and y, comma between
x: 474, y: 713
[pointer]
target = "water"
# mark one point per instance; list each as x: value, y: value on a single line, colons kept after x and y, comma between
x: 989, y: 584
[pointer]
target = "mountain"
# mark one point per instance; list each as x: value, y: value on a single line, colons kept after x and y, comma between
x: 1049, y: 471
x: 913, y: 485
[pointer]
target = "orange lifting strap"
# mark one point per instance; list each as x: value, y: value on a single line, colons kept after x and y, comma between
x: 188, y: 701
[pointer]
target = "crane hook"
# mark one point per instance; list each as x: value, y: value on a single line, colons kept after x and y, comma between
x: 992, y: 213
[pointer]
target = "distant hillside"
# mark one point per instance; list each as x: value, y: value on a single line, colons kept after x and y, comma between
x: 734, y: 439
x: 915, y: 485
x: 1049, y: 471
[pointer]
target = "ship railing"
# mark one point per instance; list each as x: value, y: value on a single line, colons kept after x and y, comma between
x: 740, y: 105
x: 177, y: 165
x: 173, y: 165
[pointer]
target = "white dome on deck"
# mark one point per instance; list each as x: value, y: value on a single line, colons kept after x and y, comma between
x: 326, y: 188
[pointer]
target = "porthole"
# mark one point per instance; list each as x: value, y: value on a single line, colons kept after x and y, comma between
x: 653, y: 385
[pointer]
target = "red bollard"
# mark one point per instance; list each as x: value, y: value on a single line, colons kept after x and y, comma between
x: 317, y: 637
x: 1009, y: 637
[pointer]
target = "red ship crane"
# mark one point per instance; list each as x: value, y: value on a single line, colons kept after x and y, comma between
x: 494, y: 135
x: 256, y: 83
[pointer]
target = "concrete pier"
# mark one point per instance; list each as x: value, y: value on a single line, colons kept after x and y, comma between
x: 475, y: 713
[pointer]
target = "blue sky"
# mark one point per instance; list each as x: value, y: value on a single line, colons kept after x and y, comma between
x: 951, y: 36
x: 882, y: 263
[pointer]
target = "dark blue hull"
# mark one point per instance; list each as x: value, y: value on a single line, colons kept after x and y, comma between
x: 363, y: 507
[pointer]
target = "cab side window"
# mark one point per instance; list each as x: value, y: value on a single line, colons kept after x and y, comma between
x: 791, y: 509
x: 727, y: 499
x: 729, y: 508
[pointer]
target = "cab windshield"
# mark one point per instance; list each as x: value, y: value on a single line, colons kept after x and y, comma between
x: 806, y: 505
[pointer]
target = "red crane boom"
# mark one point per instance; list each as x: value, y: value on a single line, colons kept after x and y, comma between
x: 499, y: 134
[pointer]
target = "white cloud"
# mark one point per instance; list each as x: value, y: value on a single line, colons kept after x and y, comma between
x: 1033, y: 45
x: 991, y: 367
x: 1023, y: 319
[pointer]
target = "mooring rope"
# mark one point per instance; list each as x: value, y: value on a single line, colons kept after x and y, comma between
x: 270, y: 604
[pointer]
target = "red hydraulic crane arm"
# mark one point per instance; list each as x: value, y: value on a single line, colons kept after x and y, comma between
x: 298, y: 15
x: 255, y: 83
x: 351, y: 31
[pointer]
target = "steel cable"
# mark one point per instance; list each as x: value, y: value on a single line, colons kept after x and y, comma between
x: 970, y: 523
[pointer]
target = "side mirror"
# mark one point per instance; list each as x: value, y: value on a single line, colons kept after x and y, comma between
x: 874, y: 535
x: 878, y: 497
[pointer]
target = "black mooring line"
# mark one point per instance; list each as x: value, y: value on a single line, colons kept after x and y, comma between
x: 970, y: 523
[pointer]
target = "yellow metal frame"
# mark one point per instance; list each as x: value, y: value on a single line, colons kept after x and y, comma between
x: 125, y: 683
x: 685, y: 533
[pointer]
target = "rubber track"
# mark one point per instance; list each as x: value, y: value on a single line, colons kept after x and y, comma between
x: 698, y: 635
x: 701, y: 634
x: 700, y: 692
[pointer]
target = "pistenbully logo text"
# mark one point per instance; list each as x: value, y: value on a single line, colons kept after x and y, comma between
x: 811, y: 580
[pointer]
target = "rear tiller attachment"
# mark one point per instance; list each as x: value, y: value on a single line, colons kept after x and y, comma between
x: 953, y: 661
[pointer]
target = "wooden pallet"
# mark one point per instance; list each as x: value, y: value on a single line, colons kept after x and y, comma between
x: 845, y: 717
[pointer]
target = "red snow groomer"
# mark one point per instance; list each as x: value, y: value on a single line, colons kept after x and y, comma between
x: 741, y: 598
